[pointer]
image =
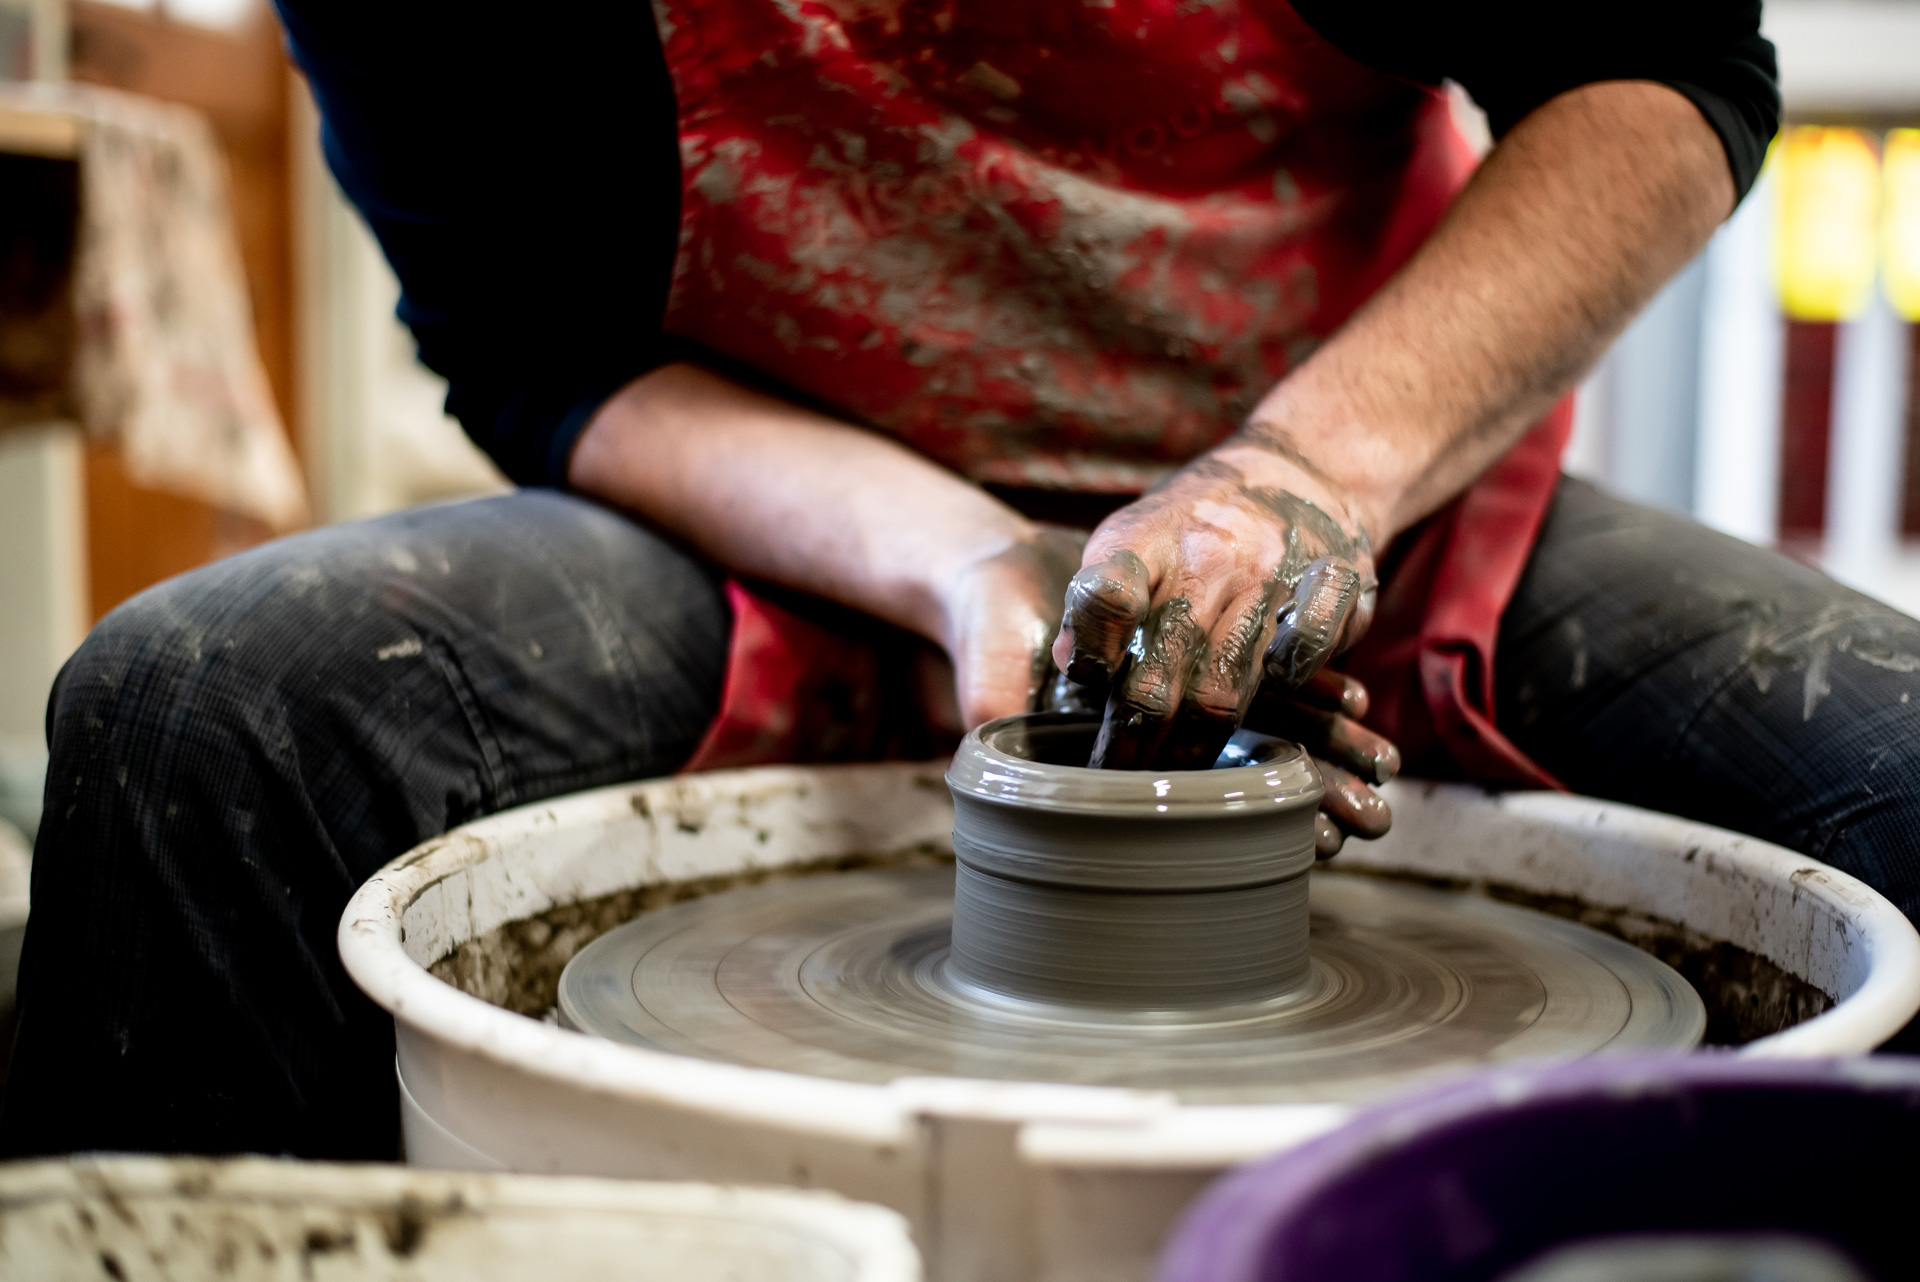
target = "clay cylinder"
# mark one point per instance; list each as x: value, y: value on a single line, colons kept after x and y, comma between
x: 1128, y: 889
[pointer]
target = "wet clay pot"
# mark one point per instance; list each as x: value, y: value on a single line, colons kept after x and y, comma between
x: 1133, y: 890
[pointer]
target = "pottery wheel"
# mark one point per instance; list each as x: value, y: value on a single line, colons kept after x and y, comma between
x: 844, y: 976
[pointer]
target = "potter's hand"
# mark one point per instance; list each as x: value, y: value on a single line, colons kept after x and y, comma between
x: 1239, y: 577
x: 1243, y: 567
x: 1003, y: 609
x: 1324, y: 716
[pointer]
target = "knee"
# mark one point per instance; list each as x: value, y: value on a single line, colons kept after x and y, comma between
x: 138, y: 660
x: 179, y: 665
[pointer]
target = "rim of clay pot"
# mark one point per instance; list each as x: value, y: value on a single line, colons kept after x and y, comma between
x: 1006, y: 761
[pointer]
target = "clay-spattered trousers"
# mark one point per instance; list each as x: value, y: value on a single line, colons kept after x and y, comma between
x: 234, y: 751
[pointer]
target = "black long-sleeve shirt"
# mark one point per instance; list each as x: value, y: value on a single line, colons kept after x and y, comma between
x: 522, y: 173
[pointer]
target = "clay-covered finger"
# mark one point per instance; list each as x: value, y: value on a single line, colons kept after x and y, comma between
x: 1341, y: 740
x: 1223, y: 684
x: 1148, y: 690
x: 1365, y: 752
x: 1335, y: 692
x: 1194, y: 739
x: 1058, y: 692
x: 1313, y: 624
x: 1106, y: 604
x: 1349, y: 802
x: 1327, y: 837
x: 1333, y: 735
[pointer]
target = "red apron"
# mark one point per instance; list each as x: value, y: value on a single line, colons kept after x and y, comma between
x: 1068, y: 244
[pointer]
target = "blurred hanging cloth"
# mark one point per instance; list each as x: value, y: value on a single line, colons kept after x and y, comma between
x: 1057, y: 245
x: 165, y: 363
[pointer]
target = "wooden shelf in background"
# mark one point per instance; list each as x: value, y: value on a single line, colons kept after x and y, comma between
x: 136, y: 536
x: 240, y: 80
x: 50, y: 134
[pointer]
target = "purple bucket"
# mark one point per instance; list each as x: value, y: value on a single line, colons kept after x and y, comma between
x: 1470, y: 1180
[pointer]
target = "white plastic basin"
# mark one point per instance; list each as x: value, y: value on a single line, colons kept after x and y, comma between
x: 1000, y: 1181
x: 250, y: 1220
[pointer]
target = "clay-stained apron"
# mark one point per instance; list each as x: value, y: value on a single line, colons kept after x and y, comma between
x: 1067, y: 244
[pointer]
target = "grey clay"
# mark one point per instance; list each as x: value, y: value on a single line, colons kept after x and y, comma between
x: 1132, y: 889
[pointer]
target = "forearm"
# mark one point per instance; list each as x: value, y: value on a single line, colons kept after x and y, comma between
x: 776, y: 492
x: 1573, y: 222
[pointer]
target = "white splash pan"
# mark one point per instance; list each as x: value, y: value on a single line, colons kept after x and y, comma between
x: 256, y: 1220
x: 1001, y: 1181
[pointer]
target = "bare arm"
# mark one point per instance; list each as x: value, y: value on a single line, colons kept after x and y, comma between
x: 773, y: 491
x: 1575, y: 221
x: 1570, y: 225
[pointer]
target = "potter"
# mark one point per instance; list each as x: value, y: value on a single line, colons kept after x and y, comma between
x: 803, y: 329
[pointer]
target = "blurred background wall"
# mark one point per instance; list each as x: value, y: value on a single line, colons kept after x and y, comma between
x: 1770, y: 389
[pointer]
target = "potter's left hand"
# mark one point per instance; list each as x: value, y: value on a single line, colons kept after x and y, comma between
x: 1217, y: 599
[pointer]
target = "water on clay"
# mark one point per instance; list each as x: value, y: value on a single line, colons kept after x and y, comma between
x: 845, y: 976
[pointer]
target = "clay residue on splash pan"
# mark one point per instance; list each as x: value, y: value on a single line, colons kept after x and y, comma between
x: 1747, y: 997
x: 517, y: 966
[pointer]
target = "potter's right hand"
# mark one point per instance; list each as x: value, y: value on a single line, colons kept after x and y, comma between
x: 1225, y: 590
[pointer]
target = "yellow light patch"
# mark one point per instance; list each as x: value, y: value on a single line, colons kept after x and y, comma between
x: 1826, y: 222
x: 1900, y: 222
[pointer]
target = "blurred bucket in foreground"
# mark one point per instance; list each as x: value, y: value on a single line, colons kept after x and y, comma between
x: 247, y: 1219
x: 1802, y: 1168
